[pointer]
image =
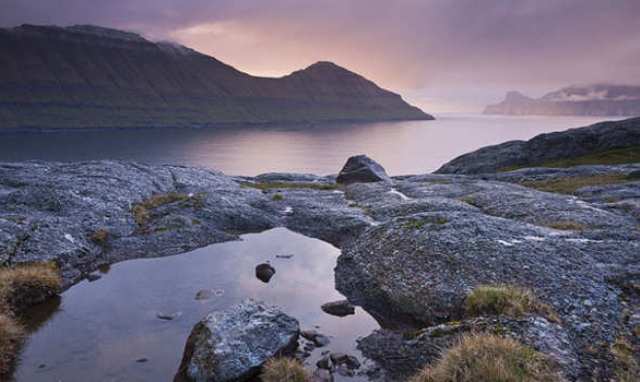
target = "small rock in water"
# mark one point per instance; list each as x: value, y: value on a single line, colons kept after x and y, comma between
x: 324, y: 363
x: 206, y: 294
x: 322, y: 375
x: 168, y: 316
x: 42, y: 366
x: 321, y: 340
x: 91, y: 277
x: 284, y: 256
x: 347, y: 360
x: 142, y: 360
x: 264, y: 272
x: 339, y: 308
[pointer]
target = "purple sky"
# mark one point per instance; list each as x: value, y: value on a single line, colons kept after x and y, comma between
x: 440, y: 54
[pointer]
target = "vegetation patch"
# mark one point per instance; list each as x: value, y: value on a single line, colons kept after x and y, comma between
x: 609, y: 157
x: 265, y: 186
x: 100, y: 237
x: 11, y: 337
x: 26, y: 285
x: 470, y: 200
x: 142, y: 211
x: 627, y: 367
x: 567, y: 225
x: 284, y: 370
x: 488, y: 357
x: 569, y: 185
x: 506, y: 300
x: 419, y: 223
x: 277, y: 197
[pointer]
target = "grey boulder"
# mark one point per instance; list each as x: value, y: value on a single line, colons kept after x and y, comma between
x: 233, y: 345
x: 362, y: 169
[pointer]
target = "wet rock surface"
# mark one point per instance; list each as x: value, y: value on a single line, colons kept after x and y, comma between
x: 232, y: 345
x: 339, y: 308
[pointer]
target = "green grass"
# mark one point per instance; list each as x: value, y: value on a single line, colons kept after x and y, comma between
x: 419, y: 223
x: 569, y: 185
x: 506, y: 300
x: 567, y: 225
x: 610, y: 157
x: 264, y: 186
x: 489, y: 358
x: 277, y: 197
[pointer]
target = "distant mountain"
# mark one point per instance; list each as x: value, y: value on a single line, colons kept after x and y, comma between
x: 88, y: 76
x: 593, y: 100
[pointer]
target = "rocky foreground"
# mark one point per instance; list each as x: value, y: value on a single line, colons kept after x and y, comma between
x: 413, y: 247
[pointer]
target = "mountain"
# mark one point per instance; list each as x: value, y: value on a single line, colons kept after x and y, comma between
x: 594, y: 100
x: 88, y: 76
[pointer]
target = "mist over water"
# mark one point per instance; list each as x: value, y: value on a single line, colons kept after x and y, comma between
x: 401, y: 147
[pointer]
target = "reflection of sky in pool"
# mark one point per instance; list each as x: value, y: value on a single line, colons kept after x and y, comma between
x: 103, y: 327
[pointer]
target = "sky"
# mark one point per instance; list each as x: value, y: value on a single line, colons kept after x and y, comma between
x: 442, y: 55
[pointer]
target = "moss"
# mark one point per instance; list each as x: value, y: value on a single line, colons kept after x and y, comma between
x: 289, y: 185
x: 627, y: 368
x: 284, y: 370
x: 567, y: 225
x: 419, y: 223
x: 506, y: 300
x: 11, y: 337
x: 100, y: 237
x: 142, y: 211
x: 277, y: 197
x: 488, y: 357
x: 609, y: 157
x: 26, y: 285
x: 569, y: 185
x: 469, y: 200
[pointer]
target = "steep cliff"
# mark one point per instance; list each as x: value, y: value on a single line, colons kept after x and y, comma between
x: 87, y: 76
x: 596, y: 100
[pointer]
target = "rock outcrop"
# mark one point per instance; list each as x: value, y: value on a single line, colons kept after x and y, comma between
x: 233, y: 345
x: 362, y: 169
x: 413, y: 247
x: 87, y: 76
x: 598, y: 141
x: 592, y: 100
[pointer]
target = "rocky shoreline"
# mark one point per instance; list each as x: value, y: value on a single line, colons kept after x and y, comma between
x: 413, y: 247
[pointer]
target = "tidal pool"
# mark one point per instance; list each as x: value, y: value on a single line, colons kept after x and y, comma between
x: 108, y: 330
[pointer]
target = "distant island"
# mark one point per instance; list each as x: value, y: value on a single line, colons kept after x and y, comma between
x: 89, y: 76
x: 589, y: 100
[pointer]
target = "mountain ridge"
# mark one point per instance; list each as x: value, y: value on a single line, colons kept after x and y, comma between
x: 89, y: 76
x: 599, y: 99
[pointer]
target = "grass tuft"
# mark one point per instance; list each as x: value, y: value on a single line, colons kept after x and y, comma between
x: 284, y: 370
x: 627, y: 368
x: 489, y: 358
x: 264, y: 186
x: 11, y: 337
x: 567, y: 225
x: 100, y: 237
x: 26, y: 285
x: 142, y: 211
x: 506, y: 300
x: 277, y: 197
x: 569, y: 185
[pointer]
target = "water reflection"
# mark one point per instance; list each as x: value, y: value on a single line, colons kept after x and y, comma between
x: 103, y: 327
x: 402, y: 147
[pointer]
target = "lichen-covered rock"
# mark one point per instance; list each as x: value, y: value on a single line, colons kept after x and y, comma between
x: 362, y: 169
x: 233, y: 345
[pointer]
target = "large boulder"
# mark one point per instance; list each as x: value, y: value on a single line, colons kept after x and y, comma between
x: 362, y: 169
x: 233, y: 345
x: 573, y: 143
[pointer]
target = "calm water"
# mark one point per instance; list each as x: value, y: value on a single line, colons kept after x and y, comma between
x: 402, y: 147
x: 99, y: 329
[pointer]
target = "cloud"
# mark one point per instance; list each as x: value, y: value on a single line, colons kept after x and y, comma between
x: 464, y: 46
